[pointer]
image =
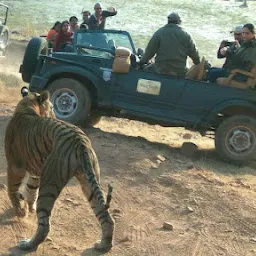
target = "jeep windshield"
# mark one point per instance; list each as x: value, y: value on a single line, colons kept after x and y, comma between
x: 97, y: 42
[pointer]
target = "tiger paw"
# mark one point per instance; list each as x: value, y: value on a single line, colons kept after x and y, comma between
x: 27, y: 245
x: 103, y: 246
x: 32, y: 207
x: 22, y: 210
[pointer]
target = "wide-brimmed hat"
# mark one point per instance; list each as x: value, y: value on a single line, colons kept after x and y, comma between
x: 237, y: 29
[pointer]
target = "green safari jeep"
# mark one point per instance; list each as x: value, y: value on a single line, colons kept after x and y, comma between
x: 84, y: 86
x: 4, y: 31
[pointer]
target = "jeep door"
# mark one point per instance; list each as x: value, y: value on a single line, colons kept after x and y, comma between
x: 147, y: 93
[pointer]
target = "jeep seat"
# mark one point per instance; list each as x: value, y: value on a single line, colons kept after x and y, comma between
x: 197, y: 72
x: 122, y: 60
x: 230, y: 82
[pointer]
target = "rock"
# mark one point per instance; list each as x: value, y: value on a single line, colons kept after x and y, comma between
x: 117, y: 211
x: 187, y: 136
x: 49, y: 239
x: 69, y: 200
x: 125, y: 239
x: 253, y: 239
x: 15, y: 32
x: 190, y: 209
x: 188, y: 149
x: 154, y: 166
x: 158, y: 162
x: 3, y: 186
x: 161, y: 158
x: 168, y: 226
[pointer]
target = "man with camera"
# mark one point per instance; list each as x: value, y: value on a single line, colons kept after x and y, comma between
x: 227, y: 48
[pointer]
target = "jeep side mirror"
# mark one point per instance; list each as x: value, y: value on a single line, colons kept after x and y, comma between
x: 140, y: 52
x: 24, y: 91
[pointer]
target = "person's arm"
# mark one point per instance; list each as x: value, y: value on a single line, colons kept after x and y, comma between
x: 193, y: 52
x: 151, y: 48
x: 222, y: 44
x: 106, y: 14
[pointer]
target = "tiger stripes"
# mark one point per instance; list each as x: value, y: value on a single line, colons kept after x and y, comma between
x: 51, y: 152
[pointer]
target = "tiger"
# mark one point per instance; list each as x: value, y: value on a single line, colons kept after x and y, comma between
x: 51, y: 152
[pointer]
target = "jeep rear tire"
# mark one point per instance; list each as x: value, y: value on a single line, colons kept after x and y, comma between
x: 235, y: 138
x: 35, y: 47
x: 71, y: 100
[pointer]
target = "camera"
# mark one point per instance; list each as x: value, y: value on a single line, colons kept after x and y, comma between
x: 227, y: 43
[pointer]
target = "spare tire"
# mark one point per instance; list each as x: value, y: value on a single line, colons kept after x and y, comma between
x: 35, y: 47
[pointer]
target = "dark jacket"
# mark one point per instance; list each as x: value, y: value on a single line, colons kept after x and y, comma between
x: 230, y: 52
x: 171, y: 44
x: 244, y: 57
x: 93, y: 23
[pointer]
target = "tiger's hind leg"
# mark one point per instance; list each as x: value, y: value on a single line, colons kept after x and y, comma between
x: 102, y: 214
x: 14, y: 179
x: 31, y: 192
x: 49, y: 190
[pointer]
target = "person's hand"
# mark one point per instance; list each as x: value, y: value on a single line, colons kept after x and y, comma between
x: 223, y: 51
x: 111, y: 9
x: 236, y: 43
x: 223, y: 43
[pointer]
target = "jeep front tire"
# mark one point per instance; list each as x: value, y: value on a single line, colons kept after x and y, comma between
x: 235, y: 138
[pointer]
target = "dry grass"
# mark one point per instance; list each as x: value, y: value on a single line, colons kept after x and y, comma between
x: 9, y: 88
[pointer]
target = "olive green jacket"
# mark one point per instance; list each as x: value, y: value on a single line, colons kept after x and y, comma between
x: 244, y: 57
x: 171, y: 45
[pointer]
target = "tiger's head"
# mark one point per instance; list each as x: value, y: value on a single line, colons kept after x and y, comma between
x: 39, y: 104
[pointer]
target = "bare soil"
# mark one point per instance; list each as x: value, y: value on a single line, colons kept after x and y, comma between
x: 210, y: 204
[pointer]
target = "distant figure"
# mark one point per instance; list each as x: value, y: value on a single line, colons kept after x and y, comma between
x: 73, y: 21
x: 171, y: 44
x: 244, y: 4
x: 52, y: 33
x: 63, y: 38
x: 98, y: 19
x: 86, y: 16
x: 227, y: 49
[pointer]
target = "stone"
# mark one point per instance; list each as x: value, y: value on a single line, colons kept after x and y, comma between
x: 154, y: 166
x: 187, y: 136
x: 253, y: 239
x: 190, y: 209
x: 158, y: 161
x: 117, y: 211
x: 188, y: 149
x: 168, y: 226
x: 49, y: 239
x: 161, y: 158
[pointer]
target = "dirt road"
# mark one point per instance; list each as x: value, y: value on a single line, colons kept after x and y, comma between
x: 210, y: 204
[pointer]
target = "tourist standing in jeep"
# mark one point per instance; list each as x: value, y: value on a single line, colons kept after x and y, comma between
x: 98, y: 19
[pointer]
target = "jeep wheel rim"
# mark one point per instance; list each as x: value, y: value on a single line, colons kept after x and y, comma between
x: 65, y: 103
x: 240, y: 140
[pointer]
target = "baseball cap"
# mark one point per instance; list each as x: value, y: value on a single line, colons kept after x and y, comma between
x: 174, y: 16
x: 237, y: 29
